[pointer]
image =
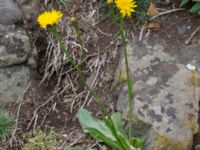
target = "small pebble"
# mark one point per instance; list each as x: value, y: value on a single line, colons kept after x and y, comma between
x: 190, y: 67
x: 197, y: 147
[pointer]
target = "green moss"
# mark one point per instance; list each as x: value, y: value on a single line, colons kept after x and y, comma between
x: 134, y: 120
x: 192, y: 123
x: 120, y: 78
x: 137, y: 121
x: 162, y: 142
x: 194, y: 79
x: 42, y: 141
x: 5, y: 125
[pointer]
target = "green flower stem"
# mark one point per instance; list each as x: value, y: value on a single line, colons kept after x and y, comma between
x: 76, y: 27
x: 113, y: 13
x: 121, y: 29
x: 73, y: 62
x: 129, y: 81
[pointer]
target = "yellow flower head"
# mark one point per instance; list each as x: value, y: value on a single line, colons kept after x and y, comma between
x: 126, y: 7
x: 109, y: 1
x: 49, y: 18
x: 72, y: 19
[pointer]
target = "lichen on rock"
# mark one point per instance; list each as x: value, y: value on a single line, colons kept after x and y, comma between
x: 163, y: 98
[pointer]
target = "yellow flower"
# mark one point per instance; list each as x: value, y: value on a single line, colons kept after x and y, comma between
x: 49, y: 18
x: 126, y: 7
x: 72, y: 19
x: 109, y: 1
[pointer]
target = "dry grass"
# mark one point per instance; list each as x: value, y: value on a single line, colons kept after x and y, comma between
x: 60, y: 94
x: 58, y: 67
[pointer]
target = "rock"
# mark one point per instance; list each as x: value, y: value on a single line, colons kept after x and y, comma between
x: 197, y: 147
x: 181, y: 29
x: 13, y: 81
x: 15, y: 46
x: 9, y: 12
x: 29, y: 8
x: 32, y: 59
x: 166, y: 94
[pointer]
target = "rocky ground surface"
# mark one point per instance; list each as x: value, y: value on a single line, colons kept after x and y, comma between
x: 166, y: 74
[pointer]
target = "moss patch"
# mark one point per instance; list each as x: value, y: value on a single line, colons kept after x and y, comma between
x: 163, y: 142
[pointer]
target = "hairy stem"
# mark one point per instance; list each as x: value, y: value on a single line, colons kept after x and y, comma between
x: 76, y: 27
x: 129, y: 81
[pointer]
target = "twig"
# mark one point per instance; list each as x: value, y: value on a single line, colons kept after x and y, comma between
x: 76, y: 44
x: 96, y: 64
x: 72, y: 144
x: 35, y: 112
x: 166, y: 12
x: 90, y: 100
x: 141, y: 33
x: 103, y: 33
x: 72, y: 104
x: 51, y: 108
x: 101, y: 147
x: 115, y: 52
x: 95, y: 83
x: 18, y: 112
x: 148, y: 34
x: 35, y: 123
x: 192, y: 35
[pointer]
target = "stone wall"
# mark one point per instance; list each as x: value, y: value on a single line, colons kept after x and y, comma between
x: 17, y: 53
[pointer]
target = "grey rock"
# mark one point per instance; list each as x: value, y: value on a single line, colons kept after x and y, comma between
x: 182, y: 29
x: 197, y: 147
x: 164, y: 91
x: 9, y: 12
x: 13, y: 81
x: 15, y: 46
x: 29, y: 8
x: 32, y: 58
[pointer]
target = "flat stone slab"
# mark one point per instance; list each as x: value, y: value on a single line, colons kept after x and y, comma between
x: 13, y: 81
x: 9, y: 12
x: 14, y: 46
x: 166, y: 94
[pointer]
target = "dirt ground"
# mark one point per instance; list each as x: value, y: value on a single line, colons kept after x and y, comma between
x: 48, y: 104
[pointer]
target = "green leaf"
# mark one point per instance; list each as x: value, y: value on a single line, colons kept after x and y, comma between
x: 111, y: 132
x: 183, y: 2
x: 123, y: 141
x: 99, y: 136
x: 77, y: 148
x: 87, y: 121
x: 137, y: 142
x: 97, y: 129
x: 117, y: 122
x: 195, y: 8
x: 119, y: 131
